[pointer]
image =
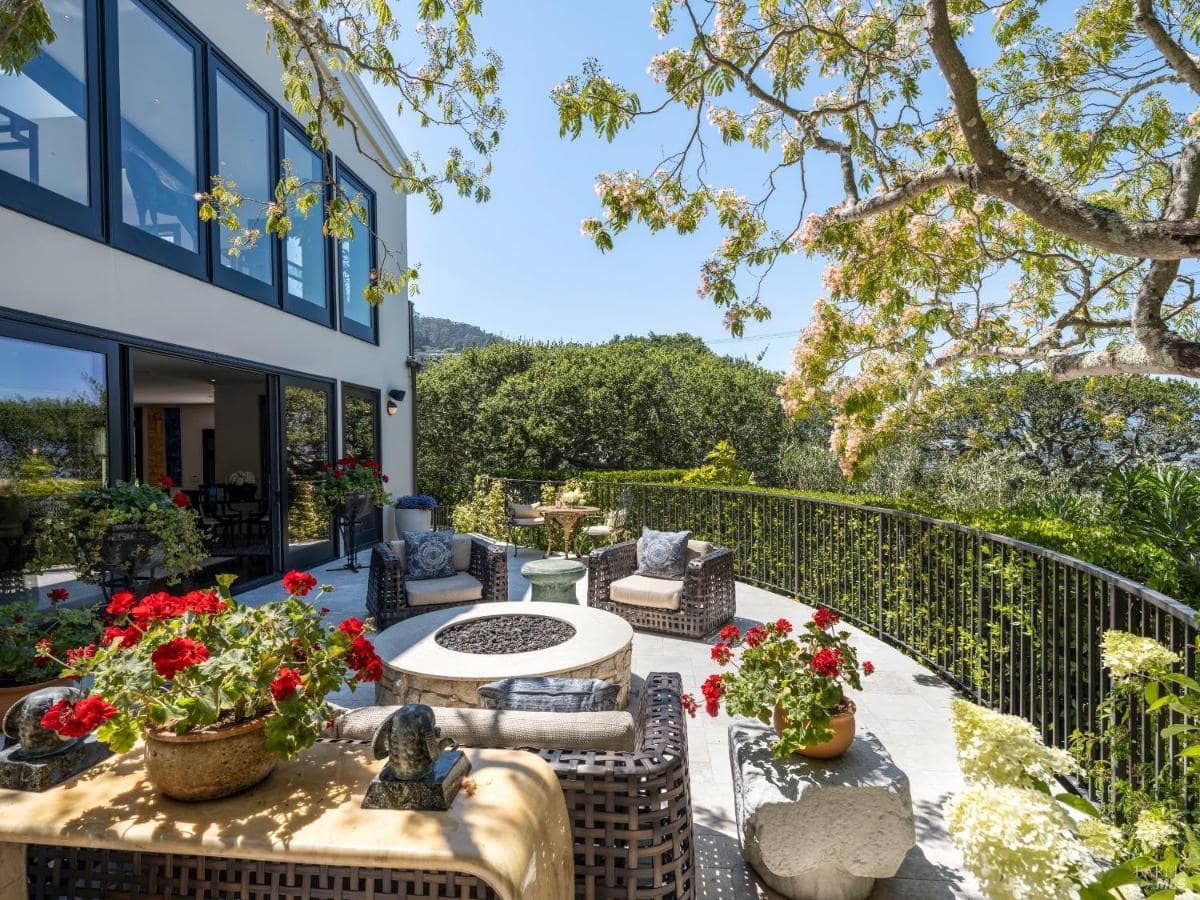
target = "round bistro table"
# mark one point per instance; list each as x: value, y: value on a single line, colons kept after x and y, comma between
x: 568, y: 519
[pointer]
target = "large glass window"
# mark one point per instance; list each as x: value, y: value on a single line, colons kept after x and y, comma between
x: 306, y: 412
x: 44, y: 109
x: 244, y: 158
x: 360, y: 423
x: 305, y: 251
x: 53, y: 439
x: 157, y: 74
x: 356, y: 260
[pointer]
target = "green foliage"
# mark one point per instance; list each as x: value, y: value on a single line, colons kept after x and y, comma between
x: 79, y: 534
x: 632, y: 403
x: 23, y: 625
x: 348, y: 477
x: 484, y: 511
x: 24, y: 28
x: 720, y: 468
x: 1161, y: 505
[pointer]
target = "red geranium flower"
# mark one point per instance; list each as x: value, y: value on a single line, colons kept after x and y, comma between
x: 286, y: 683
x: 75, y: 654
x: 58, y: 595
x: 204, y: 603
x: 42, y: 647
x: 722, y: 654
x: 176, y: 655
x: 869, y: 667
x: 386, y: 479
x: 827, y: 661
x: 756, y: 635
x: 339, y: 475
x: 351, y: 627
x: 158, y: 607
x: 364, y: 660
x: 122, y: 603
x: 324, y: 611
x: 298, y: 583
x: 730, y: 634
x: 783, y: 626
x: 181, y: 500
x: 825, y: 619
x: 76, y: 721
x: 166, y: 482
x: 688, y: 702
x: 127, y: 636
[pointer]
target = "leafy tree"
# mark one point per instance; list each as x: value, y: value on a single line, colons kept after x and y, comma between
x: 449, y: 82
x: 1065, y: 163
x: 631, y: 403
x: 1085, y: 427
x: 720, y: 468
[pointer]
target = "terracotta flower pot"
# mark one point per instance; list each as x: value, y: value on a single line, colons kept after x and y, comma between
x: 10, y: 695
x: 208, y: 764
x: 843, y: 733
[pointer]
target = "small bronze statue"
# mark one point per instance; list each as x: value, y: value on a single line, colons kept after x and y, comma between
x: 42, y: 758
x: 424, y: 770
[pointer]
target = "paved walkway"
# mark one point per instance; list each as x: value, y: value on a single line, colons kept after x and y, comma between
x: 905, y: 704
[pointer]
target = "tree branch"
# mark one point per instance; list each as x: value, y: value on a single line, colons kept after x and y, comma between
x: 1176, y: 56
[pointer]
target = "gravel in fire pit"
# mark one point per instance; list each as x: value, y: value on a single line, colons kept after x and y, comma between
x: 505, y: 634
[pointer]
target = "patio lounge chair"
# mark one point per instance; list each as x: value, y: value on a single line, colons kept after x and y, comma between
x: 694, y: 607
x: 481, y: 576
x: 631, y: 810
x: 523, y: 515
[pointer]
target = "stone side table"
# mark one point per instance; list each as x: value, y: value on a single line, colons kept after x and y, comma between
x: 553, y: 580
x: 820, y: 829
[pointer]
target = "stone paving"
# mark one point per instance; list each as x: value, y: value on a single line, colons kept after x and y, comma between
x: 904, y: 704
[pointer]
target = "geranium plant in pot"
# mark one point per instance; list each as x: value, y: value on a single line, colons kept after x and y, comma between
x: 350, y: 487
x: 120, y: 526
x: 795, y: 681
x: 32, y: 639
x: 218, y: 691
x: 414, y: 513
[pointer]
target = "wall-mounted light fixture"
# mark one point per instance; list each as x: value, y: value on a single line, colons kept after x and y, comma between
x: 394, y: 399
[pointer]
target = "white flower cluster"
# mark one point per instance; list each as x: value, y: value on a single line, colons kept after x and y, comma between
x: 1017, y: 842
x: 1129, y: 656
x: 1153, y: 829
x: 1003, y: 750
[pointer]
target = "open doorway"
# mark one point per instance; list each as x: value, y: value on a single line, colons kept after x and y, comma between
x: 206, y: 429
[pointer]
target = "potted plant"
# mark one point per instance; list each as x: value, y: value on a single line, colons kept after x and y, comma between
x: 797, y: 683
x: 27, y: 633
x: 218, y: 691
x: 118, y: 527
x: 240, y: 486
x: 415, y: 513
x: 351, y: 487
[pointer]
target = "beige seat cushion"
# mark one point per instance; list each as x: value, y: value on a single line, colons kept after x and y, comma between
x: 461, y: 548
x: 642, y: 590
x: 494, y: 728
x: 525, y: 510
x: 458, y: 588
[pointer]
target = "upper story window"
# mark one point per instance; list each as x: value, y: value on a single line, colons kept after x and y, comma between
x: 44, y: 110
x: 356, y: 260
x: 306, y: 256
x: 158, y: 74
x: 244, y: 155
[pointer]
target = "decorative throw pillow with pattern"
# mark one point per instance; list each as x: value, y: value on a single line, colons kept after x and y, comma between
x: 664, y: 553
x: 428, y: 554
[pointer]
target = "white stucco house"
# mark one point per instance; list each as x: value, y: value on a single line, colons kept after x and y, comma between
x: 131, y: 340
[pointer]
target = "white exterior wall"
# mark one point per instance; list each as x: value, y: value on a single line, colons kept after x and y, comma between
x: 52, y: 272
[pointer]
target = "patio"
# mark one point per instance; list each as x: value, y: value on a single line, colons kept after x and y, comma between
x: 906, y: 705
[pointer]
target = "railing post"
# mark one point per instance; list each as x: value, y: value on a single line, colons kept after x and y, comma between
x: 880, y: 592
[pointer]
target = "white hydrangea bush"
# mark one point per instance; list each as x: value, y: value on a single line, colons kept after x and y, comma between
x: 1128, y: 656
x: 994, y: 748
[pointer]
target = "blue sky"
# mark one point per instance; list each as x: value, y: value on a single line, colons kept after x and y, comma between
x: 517, y: 265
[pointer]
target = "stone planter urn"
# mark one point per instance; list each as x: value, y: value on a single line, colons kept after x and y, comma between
x: 208, y: 765
x: 843, y: 733
x: 414, y: 520
x: 127, y: 546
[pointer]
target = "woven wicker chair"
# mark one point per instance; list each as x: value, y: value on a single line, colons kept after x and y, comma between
x: 708, y: 592
x: 631, y: 811
x: 387, y: 596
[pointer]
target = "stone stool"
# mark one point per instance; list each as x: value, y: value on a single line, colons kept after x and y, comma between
x: 820, y: 829
x: 553, y: 580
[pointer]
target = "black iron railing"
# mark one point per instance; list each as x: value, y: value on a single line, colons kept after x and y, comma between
x: 1014, y: 626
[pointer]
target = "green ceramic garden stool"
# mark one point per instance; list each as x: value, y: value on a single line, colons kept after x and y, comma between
x: 554, y: 579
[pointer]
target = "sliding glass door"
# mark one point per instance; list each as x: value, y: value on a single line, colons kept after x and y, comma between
x: 306, y: 408
x: 360, y: 438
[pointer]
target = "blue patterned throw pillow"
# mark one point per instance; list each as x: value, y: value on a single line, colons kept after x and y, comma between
x: 663, y: 554
x: 428, y: 554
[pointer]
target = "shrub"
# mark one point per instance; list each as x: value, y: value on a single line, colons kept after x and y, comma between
x: 484, y: 511
x: 720, y: 468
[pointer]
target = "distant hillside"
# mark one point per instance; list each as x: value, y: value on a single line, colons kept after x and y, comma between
x: 434, y: 334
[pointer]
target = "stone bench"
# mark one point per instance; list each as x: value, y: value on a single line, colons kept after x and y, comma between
x: 820, y: 829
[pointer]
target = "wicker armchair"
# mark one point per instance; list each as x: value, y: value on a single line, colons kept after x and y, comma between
x: 707, y: 600
x: 631, y: 811
x: 387, y: 593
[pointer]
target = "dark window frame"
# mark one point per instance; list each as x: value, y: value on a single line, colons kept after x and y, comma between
x: 122, y: 235
x: 43, y: 203
x: 370, y: 333
x: 222, y: 276
x: 291, y: 303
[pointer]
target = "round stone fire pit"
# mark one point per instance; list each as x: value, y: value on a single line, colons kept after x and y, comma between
x: 441, y: 658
